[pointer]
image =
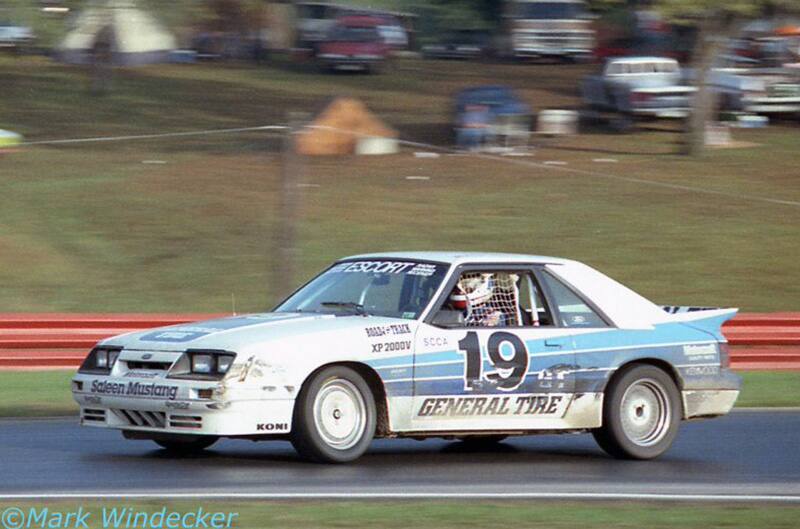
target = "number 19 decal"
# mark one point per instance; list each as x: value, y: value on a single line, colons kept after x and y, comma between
x: 509, y: 372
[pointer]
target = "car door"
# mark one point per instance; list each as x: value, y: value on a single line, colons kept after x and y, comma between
x: 505, y: 365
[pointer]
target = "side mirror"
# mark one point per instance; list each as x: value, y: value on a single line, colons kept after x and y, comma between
x: 448, y: 318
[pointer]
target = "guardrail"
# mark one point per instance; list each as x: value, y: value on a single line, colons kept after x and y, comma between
x: 53, y: 341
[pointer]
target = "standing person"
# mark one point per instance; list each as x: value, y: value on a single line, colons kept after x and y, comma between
x: 473, y: 128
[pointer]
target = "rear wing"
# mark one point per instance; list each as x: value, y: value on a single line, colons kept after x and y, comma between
x: 707, y: 319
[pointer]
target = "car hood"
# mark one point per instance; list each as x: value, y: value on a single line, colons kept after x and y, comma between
x: 241, y: 333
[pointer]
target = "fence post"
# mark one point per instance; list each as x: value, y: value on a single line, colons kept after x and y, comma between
x: 285, y: 232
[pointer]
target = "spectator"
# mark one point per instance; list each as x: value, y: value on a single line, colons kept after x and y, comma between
x: 474, y: 127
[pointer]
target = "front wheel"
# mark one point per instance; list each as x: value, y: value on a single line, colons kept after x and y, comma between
x: 334, y: 416
x: 641, y: 414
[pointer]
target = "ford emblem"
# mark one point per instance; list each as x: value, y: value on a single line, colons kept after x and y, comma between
x: 147, y: 356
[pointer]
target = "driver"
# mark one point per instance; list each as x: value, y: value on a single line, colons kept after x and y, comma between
x: 471, y: 296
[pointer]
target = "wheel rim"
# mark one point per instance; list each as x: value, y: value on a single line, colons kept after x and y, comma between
x: 645, y: 412
x: 340, y: 414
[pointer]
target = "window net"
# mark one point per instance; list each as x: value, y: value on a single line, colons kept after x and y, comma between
x: 492, y: 299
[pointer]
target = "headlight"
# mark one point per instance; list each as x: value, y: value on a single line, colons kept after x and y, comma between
x: 202, y: 363
x: 224, y: 363
x: 101, y: 360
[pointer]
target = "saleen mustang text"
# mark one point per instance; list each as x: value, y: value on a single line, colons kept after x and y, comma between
x: 467, y: 346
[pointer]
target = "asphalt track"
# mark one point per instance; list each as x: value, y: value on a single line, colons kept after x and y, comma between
x: 745, y: 453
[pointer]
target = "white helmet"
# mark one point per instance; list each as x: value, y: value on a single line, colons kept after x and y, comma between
x: 472, y: 291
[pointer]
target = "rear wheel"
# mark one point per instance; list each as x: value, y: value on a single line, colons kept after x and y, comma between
x: 334, y: 416
x: 185, y: 444
x: 641, y: 414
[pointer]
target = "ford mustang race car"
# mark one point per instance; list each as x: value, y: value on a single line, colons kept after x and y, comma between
x: 467, y: 346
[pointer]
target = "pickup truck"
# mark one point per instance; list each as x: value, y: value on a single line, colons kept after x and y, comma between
x: 755, y: 89
x: 354, y: 43
x: 639, y: 87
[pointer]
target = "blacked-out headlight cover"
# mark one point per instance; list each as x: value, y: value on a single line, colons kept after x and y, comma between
x: 100, y: 360
x: 203, y: 364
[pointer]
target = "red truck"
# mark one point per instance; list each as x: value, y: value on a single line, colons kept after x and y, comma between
x: 354, y: 43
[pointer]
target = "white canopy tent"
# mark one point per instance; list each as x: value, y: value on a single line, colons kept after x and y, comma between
x: 117, y: 28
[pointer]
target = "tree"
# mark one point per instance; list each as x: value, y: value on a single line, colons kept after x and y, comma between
x: 716, y: 22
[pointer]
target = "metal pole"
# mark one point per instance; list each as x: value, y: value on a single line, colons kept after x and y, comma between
x: 285, y: 234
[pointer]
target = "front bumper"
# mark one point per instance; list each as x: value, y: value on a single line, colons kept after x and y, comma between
x: 179, y: 409
x: 771, y: 105
x: 662, y: 113
x: 349, y: 61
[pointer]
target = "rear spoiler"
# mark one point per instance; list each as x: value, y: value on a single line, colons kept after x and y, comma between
x: 676, y: 309
x: 708, y: 319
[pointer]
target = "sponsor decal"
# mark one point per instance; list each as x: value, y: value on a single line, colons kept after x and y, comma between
x: 134, y: 389
x: 387, y: 330
x: 702, y: 371
x: 497, y: 405
x: 696, y: 350
x: 373, y: 267
x: 92, y: 399
x: 426, y: 270
x: 187, y: 333
x: 177, y: 405
x: 386, y: 267
x: 391, y: 347
x: 141, y: 374
x: 272, y: 427
x: 700, y: 352
x: 435, y: 341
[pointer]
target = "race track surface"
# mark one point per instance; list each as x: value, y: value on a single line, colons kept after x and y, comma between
x: 743, y: 453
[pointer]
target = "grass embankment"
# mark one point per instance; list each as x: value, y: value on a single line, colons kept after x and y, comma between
x: 47, y: 393
x: 458, y: 515
x: 185, y: 224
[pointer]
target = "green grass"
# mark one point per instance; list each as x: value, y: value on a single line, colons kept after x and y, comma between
x: 47, y: 393
x: 91, y: 227
x: 36, y: 394
x: 459, y: 515
x: 770, y: 389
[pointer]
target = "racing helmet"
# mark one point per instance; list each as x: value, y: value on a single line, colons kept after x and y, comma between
x: 472, y: 291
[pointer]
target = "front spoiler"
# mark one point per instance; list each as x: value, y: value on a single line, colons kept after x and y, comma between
x: 228, y: 412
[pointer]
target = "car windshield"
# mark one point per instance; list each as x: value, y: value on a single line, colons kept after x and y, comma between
x: 355, y: 34
x: 391, y: 288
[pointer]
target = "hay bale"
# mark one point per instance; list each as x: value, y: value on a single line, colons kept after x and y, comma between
x: 338, y: 128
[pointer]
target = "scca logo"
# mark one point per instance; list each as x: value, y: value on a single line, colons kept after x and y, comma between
x: 272, y: 427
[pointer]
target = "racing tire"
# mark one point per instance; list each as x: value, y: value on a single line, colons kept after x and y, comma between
x: 186, y: 444
x: 641, y: 414
x: 334, y: 417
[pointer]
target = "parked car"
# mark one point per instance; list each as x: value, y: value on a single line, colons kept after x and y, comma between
x: 639, y: 87
x: 354, y: 43
x: 15, y: 37
x: 472, y: 346
x: 460, y: 44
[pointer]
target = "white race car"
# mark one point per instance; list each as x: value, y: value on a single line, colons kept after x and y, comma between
x: 469, y: 346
